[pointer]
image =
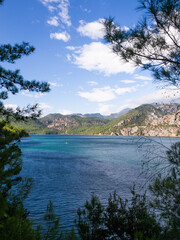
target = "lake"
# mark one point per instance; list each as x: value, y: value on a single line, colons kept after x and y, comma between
x: 68, y: 169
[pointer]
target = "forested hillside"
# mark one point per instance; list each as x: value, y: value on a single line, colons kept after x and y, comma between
x: 145, y: 120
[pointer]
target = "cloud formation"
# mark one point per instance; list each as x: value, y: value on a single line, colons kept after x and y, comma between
x: 127, y: 81
x: 105, y: 109
x: 140, y: 77
x: 54, y: 84
x: 64, y: 36
x: 92, y: 83
x: 32, y: 95
x: 99, y: 94
x: 104, y: 94
x: 165, y: 95
x: 65, y: 112
x: 97, y: 56
x: 93, y: 30
x: 44, y: 106
x: 53, y: 21
x: 64, y: 12
x: 61, y: 7
x: 11, y: 106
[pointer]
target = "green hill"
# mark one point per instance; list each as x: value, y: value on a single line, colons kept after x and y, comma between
x: 147, y: 119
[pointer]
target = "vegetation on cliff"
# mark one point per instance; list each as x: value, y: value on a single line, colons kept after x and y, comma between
x: 146, y: 120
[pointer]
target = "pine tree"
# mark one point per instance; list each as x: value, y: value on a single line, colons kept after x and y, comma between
x: 14, y: 222
x: 153, y: 44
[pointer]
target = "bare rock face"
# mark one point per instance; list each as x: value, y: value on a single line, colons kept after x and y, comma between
x: 145, y: 120
x: 62, y: 123
x: 161, y: 120
x: 67, y: 122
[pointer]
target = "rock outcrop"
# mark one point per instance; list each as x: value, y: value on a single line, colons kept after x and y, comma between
x: 149, y: 120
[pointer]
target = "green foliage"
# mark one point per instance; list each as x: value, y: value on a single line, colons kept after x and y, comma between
x: 83, y: 125
x: 91, y: 220
x: 16, y: 226
x: 138, y: 218
x: 52, y: 224
x: 119, y: 220
x: 52, y: 231
x: 153, y: 43
x: 70, y: 235
x: 15, y: 131
x: 14, y: 221
x: 166, y: 193
x: 93, y: 126
x: 12, y: 81
x: 129, y: 219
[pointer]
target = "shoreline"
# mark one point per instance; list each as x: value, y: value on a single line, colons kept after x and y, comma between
x: 108, y: 135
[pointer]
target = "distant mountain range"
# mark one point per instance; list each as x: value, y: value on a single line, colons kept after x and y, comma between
x: 98, y: 115
x: 145, y: 120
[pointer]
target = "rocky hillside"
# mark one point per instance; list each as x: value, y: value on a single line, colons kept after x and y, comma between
x: 70, y: 123
x: 147, y: 120
x: 60, y: 124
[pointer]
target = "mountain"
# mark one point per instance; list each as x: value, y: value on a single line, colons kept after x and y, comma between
x: 97, y: 115
x: 60, y: 124
x: 145, y: 120
x: 117, y: 115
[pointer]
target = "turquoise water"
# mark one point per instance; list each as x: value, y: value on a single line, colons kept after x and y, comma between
x: 68, y: 169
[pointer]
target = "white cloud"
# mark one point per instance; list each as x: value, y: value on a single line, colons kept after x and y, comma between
x: 32, y: 95
x: 65, y: 112
x: 119, y: 109
x: 127, y: 81
x: 104, y: 94
x: 12, y: 106
x: 159, y: 96
x: 45, y: 106
x: 121, y: 91
x: 61, y: 7
x: 92, y: 83
x: 125, y: 28
x: 64, y: 36
x: 71, y: 48
x: 100, y: 57
x: 68, y: 57
x: 140, y: 77
x: 94, y: 30
x: 54, y: 84
x: 53, y: 21
x: 104, y: 109
x: 51, y: 8
x: 85, y: 9
x: 48, y: 3
x: 99, y: 94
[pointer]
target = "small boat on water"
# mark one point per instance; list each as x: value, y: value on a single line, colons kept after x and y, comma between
x: 66, y: 143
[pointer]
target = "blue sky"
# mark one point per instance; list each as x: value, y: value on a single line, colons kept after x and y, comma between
x: 71, y: 54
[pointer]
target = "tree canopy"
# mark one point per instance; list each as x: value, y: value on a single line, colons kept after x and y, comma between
x: 14, y: 221
x: 154, y: 43
x: 13, y: 82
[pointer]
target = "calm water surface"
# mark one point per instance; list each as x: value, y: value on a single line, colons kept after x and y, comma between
x: 68, y: 169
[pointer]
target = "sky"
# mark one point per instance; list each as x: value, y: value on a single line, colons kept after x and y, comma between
x: 84, y: 74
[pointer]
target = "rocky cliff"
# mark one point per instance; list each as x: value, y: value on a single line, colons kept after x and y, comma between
x: 148, y: 120
x: 65, y: 123
x: 145, y: 120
